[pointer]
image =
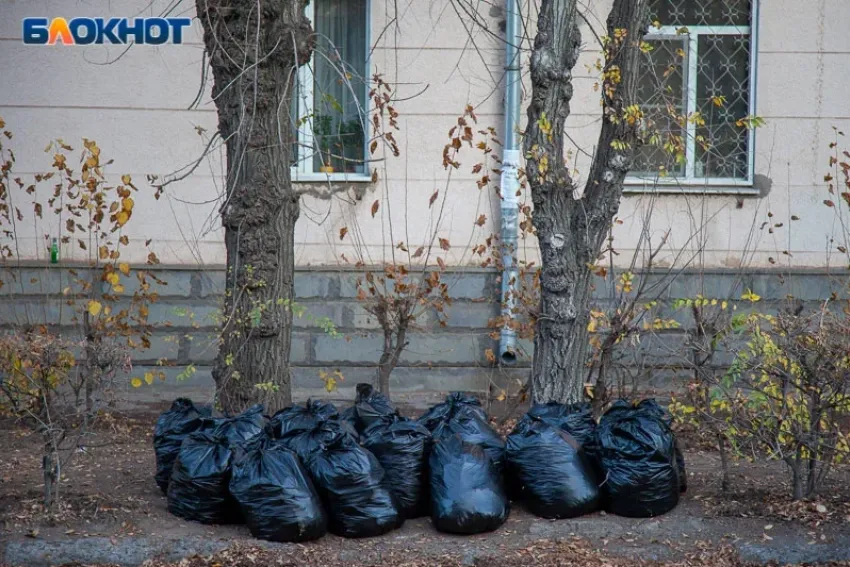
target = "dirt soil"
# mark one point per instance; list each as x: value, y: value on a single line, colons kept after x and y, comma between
x: 112, y: 513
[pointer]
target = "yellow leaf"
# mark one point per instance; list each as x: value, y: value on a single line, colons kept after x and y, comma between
x: 122, y: 217
x: 330, y: 384
x: 124, y: 268
x: 136, y: 382
x: 113, y: 278
x: 94, y: 308
x: 149, y: 377
x: 118, y: 288
x: 125, y: 179
x: 127, y: 204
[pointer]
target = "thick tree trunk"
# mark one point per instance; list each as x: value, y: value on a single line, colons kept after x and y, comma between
x: 255, y: 48
x: 571, y: 228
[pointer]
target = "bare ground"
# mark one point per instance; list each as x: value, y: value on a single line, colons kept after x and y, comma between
x: 113, y: 513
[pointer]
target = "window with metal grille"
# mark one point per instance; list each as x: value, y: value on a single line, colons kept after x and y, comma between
x: 329, y: 107
x: 696, y: 92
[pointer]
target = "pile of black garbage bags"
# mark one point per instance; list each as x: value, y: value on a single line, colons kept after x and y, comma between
x: 310, y: 469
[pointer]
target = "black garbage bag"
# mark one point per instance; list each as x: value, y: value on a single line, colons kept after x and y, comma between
x: 301, y: 418
x: 370, y: 406
x: 472, y: 429
x: 172, y: 427
x: 558, y: 479
x: 349, y: 416
x: 239, y: 428
x: 652, y: 409
x: 198, y: 489
x: 638, y: 456
x: 275, y: 494
x: 467, y: 495
x: 402, y: 447
x: 349, y: 480
x: 306, y: 443
x: 576, y: 419
x: 456, y: 402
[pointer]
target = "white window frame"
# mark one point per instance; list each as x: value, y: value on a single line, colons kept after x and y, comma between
x: 303, y: 171
x: 690, y: 182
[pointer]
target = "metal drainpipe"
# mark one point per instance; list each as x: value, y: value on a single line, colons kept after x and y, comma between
x: 510, y: 178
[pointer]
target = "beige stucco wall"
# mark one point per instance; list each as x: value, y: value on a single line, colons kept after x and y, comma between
x: 135, y: 106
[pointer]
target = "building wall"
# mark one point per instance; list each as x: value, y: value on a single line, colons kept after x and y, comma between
x: 437, y: 359
x: 135, y: 104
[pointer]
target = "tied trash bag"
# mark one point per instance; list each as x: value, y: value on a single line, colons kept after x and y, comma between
x: 198, y: 489
x: 349, y: 480
x: 467, y: 496
x: 172, y: 427
x: 275, y: 493
x: 472, y: 429
x: 638, y: 455
x: 240, y: 428
x: 401, y: 447
x: 576, y: 419
x: 301, y: 418
x: 455, y: 403
x: 370, y: 406
x: 306, y: 443
x: 558, y: 479
x: 652, y: 408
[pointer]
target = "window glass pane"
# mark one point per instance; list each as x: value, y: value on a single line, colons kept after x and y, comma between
x: 339, y: 95
x: 701, y: 12
x: 662, y: 97
x: 723, y: 70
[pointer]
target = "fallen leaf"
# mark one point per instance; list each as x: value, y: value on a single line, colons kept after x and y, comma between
x: 375, y: 206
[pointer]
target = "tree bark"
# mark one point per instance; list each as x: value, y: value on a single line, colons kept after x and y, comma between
x: 395, y: 341
x: 571, y: 228
x: 255, y: 48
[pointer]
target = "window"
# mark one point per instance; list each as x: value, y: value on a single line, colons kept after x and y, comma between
x: 329, y: 107
x: 696, y: 92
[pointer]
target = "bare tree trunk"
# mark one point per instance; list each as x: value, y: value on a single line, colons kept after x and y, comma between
x: 255, y: 48
x: 50, y: 471
x: 571, y: 230
x: 390, y: 357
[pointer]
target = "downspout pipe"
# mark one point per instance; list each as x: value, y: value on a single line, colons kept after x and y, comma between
x: 510, y: 179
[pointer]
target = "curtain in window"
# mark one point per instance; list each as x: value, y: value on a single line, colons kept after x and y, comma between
x: 339, y: 93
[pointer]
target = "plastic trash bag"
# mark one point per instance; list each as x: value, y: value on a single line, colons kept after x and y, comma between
x: 402, y: 447
x: 301, y: 418
x: 275, y: 494
x: 237, y: 429
x: 172, y: 427
x: 576, y: 419
x: 653, y: 407
x: 558, y: 479
x: 198, y: 489
x: 467, y: 496
x: 638, y: 456
x: 456, y: 402
x: 305, y: 443
x: 349, y: 480
x: 370, y: 406
x: 472, y: 429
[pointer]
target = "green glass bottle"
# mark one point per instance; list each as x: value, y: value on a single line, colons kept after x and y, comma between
x: 54, y: 251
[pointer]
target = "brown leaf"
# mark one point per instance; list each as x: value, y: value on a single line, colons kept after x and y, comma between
x: 828, y: 203
x: 441, y: 263
x: 444, y: 243
x: 433, y: 197
x: 419, y: 252
x: 482, y: 218
x: 342, y: 232
x: 491, y: 356
x: 375, y: 206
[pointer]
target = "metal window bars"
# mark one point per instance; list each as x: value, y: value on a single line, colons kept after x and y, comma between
x: 696, y: 86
